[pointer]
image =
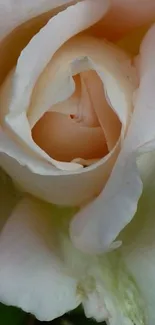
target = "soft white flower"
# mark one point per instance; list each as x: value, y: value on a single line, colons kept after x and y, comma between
x: 41, y: 82
x: 77, y: 128
x: 43, y: 273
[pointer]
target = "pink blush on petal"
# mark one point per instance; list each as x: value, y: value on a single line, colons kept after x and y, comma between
x: 124, y: 16
x: 64, y: 140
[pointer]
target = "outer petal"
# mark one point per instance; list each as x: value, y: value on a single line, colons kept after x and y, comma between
x: 138, y: 250
x: 25, y: 76
x: 61, y: 188
x: 45, y: 187
x: 44, y: 274
x: 96, y: 226
x: 8, y: 197
x: 15, y: 12
x: 33, y: 270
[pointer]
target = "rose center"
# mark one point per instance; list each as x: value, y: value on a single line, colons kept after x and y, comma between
x: 66, y: 137
x: 69, y: 115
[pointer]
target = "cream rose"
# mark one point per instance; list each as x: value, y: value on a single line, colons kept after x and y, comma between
x: 77, y: 128
x: 51, y: 108
x: 66, y: 104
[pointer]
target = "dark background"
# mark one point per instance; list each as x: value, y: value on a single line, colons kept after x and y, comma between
x: 15, y: 316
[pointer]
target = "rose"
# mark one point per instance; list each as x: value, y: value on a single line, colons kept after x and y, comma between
x: 77, y: 185
x: 120, y: 196
x: 31, y: 168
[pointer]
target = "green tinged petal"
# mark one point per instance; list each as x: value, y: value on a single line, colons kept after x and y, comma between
x: 118, y: 287
x: 138, y: 250
x: 8, y: 197
x: 121, y: 294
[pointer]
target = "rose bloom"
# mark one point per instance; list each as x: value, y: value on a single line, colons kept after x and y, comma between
x: 77, y: 138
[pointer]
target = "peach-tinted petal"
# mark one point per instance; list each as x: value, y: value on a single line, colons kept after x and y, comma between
x: 86, y: 113
x: 25, y: 76
x: 124, y: 16
x: 96, y: 226
x: 105, y: 115
x: 37, y: 177
x: 83, y: 185
x: 113, y: 66
x: 65, y: 140
x: 81, y: 56
x: 79, y: 128
x: 63, y: 188
x: 132, y: 41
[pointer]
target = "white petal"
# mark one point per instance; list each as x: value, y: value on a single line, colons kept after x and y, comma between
x: 138, y: 250
x: 96, y: 226
x: 15, y: 12
x: 8, y: 197
x: 57, y: 187
x: 26, y: 75
x: 44, y: 274
x: 116, y: 297
x: 33, y: 270
x: 79, y: 54
x: 82, y: 186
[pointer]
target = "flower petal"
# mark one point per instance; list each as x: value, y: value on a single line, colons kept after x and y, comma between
x: 59, y: 188
x: 132, y: 41
x: 64, y: 140
x: 25, y: 76
x: 33, y: 270
x: 8, y: 197
x: 76, y: 188
x: 14, y: 13
x: 95, y: 227
x: 138, y: 250
x: 113, y: 70
x: 82, y: 53
x: 125, y: 16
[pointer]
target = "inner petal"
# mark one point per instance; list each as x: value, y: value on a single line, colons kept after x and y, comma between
x: 85, y: 112
x: 66, y: 137
x: 65, y: 140
x: 99, y: 109
x: 79, y: 105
